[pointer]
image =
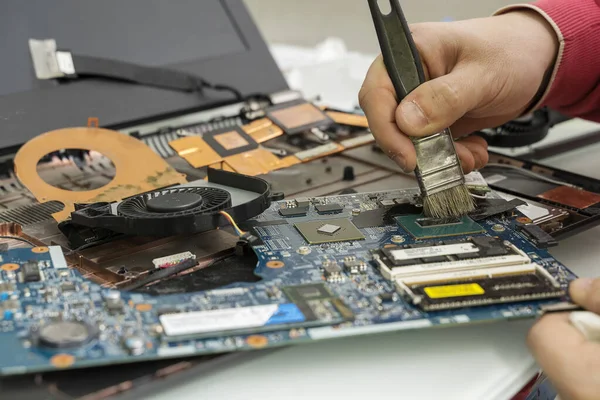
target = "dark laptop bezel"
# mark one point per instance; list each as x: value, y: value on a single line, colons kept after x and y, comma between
x: 119, y: 105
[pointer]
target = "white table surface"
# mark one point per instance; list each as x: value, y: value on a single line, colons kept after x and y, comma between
x: 475, y: 362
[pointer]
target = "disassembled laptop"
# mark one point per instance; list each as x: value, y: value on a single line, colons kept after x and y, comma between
x: 241, y: 229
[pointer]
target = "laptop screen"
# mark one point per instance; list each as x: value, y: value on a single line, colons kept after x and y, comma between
x: 216, y: 40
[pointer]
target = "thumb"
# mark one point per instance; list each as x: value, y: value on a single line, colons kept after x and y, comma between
x: 439, y: 103
x: 586, y: 293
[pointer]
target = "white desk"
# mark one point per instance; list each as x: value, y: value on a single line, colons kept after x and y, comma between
x: 471, y: 362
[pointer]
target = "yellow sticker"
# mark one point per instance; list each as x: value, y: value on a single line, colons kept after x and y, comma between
x: 466, y: 289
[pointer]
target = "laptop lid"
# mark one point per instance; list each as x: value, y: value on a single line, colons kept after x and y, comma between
x: 216, y: 40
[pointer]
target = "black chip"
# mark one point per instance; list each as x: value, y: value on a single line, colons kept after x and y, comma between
x: 386, y: 297
x: 329, y: 208
x: 31, y: 272
x: 293, y: 211
x: 540, y: 237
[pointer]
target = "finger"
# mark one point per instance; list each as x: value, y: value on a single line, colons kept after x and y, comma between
x: 467, y: 161
x: 569, y: 360
x: 440, y: 102
x: 478, y: 148
x: 467, y: 125
x: 586, y: 293
x: 378, y: 101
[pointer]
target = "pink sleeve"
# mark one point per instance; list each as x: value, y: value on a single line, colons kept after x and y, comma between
x: 574, y: 86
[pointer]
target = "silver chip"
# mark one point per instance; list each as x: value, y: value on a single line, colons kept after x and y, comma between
x: 328, y: 229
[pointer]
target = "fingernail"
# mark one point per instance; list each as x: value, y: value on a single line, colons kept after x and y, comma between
x: 413, y: 115
x: 400, y: 161
x: 581, y: 285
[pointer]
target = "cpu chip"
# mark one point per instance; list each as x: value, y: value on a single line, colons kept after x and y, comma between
x: 329, y: 231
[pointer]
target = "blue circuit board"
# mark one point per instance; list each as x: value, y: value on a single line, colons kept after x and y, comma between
x: 63, y: 320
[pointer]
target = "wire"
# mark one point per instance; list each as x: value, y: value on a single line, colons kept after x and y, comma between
x: 530, y: 173
x: 169, y: 272
x: 20, y: 239
x: 232, y: 222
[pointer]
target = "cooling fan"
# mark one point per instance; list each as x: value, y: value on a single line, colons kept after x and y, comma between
x: 185, y: 209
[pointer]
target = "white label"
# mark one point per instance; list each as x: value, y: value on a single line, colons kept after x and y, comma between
x: 58, y: 258
x: 216, y: 320
x: 495, y: 179
x: 65, y: 62
x: 475, y: 179
x: 433, y: 251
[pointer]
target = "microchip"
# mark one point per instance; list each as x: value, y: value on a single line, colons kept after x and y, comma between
x: 386, y: 203
x: 332, y: 271
x: 346, y: 232
x: 354, y: 266
x: 316, y: 301
x: 425, y: 228
x: 302, y: 202
x: 293, y: 211
x: 485, y: 291
x: 328, y: 229
x: 31, y: 272
x: 68, y: 287
x: 386, y: 297
x: 329, y: 208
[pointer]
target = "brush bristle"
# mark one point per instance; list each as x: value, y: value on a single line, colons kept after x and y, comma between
x: 453, y: 202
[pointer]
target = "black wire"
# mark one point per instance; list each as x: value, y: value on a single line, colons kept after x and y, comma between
x: 168, y: 272
x: 20, y: 239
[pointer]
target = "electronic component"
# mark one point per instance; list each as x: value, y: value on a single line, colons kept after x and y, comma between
x: 354, y: 266
x: 386, y: 203
x: 493, y: 289
x: 68, y: 287
x: 329, y: 229
x: 311, y: 233
x: 477, y: 252
x: 332, y: 271
x: 302, y: 202
x: 298, y: 116
x: 113, y: 301
x: 64, y: 334
x: 540, y: 237
x: 31, y: 272
x: 421, y: 227
x: 293, y: 211
x: 331, y: 208
x: 476, y: 183
x: 169, y: 261
x: 316, y: 301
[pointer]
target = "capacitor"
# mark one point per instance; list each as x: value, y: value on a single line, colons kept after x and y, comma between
x: 135, y: 345
x: 348, y: 173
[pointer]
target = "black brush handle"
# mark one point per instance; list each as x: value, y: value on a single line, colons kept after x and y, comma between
x: 398, y: 49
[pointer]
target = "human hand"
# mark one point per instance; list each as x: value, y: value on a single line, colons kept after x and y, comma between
x: 481, y: 73
x: 570, y: 360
